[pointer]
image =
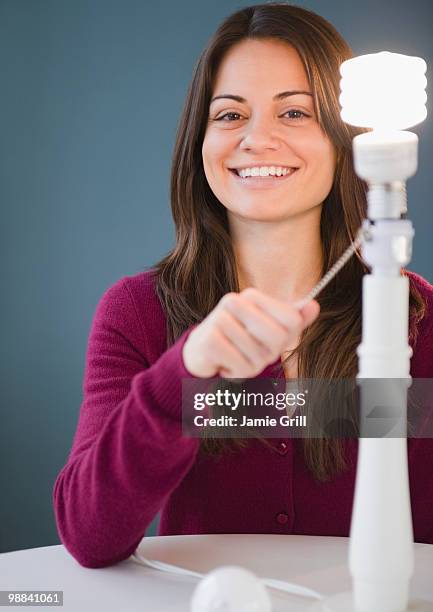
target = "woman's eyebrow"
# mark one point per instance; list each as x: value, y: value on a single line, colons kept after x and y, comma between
x: 279, y: 96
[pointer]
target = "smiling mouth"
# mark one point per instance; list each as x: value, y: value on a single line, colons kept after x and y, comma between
x: 258, y: 181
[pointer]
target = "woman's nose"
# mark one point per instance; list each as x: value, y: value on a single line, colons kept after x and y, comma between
x: 260, y: 134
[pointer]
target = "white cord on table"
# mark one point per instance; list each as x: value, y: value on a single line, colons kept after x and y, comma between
x: 279, y: 585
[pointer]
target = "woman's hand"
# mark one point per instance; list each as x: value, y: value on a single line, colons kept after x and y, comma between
x: 243, y: 334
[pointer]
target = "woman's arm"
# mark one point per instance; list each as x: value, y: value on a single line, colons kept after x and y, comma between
x: 128, y: 453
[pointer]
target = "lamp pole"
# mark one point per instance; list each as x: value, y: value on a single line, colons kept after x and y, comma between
x: 381, y: 555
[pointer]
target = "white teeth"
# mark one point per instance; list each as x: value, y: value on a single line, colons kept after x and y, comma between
x: 265, y: 171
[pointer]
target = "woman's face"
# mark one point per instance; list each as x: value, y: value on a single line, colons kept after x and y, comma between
x: 256, y: 128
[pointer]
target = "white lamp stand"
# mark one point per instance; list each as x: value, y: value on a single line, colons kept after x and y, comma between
x: 381, y: 540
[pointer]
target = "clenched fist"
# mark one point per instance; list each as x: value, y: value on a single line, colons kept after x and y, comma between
x: 243, y: 334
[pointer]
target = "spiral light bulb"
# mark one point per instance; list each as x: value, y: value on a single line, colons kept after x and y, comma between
x: 384, y: 91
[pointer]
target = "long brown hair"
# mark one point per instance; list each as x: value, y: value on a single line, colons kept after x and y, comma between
x: 201, y: 267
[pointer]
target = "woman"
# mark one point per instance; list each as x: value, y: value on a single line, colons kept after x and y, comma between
x: 265, y: 200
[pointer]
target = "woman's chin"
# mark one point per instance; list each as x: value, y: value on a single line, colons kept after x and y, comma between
x: 258, y: 213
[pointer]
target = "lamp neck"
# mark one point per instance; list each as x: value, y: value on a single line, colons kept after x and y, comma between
x: 386, y: 200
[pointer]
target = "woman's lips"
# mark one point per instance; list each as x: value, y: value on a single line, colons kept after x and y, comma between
x: 261, y: 182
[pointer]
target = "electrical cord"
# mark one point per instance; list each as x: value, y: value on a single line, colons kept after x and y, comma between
x: 363, y: 233
x: 279, y: 585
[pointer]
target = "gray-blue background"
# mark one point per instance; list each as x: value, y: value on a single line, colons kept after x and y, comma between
x: 90, y: 95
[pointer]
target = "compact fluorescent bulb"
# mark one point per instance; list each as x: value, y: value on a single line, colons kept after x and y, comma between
x: 383, y: 91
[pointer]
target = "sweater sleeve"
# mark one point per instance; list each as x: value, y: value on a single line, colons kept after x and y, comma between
x: 128, y: 452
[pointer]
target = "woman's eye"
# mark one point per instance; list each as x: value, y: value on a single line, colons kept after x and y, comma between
x: 297, y: 111
x: 233, y: 117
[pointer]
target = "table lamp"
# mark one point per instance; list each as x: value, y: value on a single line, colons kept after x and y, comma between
x: 386, y: 92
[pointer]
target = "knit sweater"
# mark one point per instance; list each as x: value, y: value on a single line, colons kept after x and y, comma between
x: 129, y: 459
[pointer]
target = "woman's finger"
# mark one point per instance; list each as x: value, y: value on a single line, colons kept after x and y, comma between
x: 263, y: 327
x: 285, y: 313
x: 254, y: 351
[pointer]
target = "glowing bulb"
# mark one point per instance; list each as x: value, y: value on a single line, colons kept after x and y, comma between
x: 230, y: 589
x: 384, y: 91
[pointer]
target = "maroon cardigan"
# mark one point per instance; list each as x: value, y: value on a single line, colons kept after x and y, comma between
x: 129, y: 459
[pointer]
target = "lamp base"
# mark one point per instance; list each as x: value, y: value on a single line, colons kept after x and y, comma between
x: 343, y: 602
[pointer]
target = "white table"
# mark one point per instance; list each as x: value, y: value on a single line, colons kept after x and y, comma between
x: 319, y: 563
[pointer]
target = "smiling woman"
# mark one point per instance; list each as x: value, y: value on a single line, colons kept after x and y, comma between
x: 265, y: 200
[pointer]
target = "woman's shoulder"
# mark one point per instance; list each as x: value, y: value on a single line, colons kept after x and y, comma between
x: 142, y: 287
x: 425, y: 289
x: 423, y: 286
x: 131, y: 306
x: 422, y: 360
x: 136, y: 290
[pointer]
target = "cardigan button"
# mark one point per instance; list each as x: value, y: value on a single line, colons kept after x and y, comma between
x: 283, y: 448
x: 282, y: 518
